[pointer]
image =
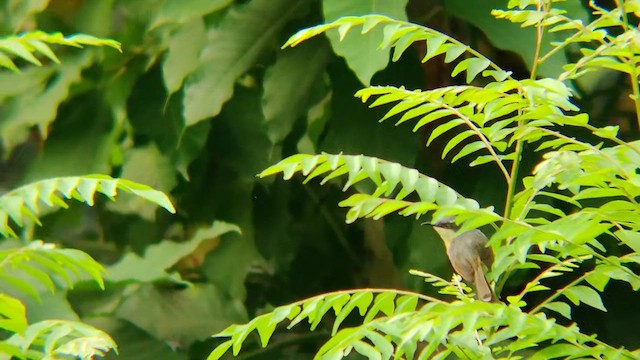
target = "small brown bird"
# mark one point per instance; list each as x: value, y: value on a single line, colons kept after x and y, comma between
x: 467, y: 252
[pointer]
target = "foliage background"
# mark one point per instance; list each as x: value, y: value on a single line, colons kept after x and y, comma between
x: 201, y: 100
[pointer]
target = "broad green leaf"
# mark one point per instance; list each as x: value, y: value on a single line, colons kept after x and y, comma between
x: 288, y: 85
x: 229, y: 53
x: 362, y: 51
x: 22, y: 11
x: 183, y: 315
x: 156, y: 261
x: 192, y: 142
x: 39, y: 106
x: 184, y: 12
x: 183, y: 54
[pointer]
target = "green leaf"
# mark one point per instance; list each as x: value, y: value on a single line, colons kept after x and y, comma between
x: 443, y: 128
x: 183, y: 53
x: 367, y: 350
x: 13, y: 315
x: 39, y: 106
x: 26, y: 44
x: 27, y: 202
x: 607, y: 132
x: 586, y: 295
x: 630, y: 238
x: 473, y: 67
x: 229, y: 53
x: 384, y: 303
x: 435, y: 115
x: 63, y: 338
x: 288, y: 84
x: 167, y: 313
x: 220, y: 350
x: 147, y: 165
x: 456, y: 140
x: 508, y: 36
x: 360, y: 299
x: 468, y: 149
x: 155, y: 263
x: 184, y: 12
x: 556, y: 351
x: 362, y: 52
x: 406, y: 303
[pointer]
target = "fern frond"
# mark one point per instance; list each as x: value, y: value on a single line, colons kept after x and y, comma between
x: 495, y: 115
x: 528, y: 18
x: 45, y: 264
x: 454, y: 106
x: 24, y: 204
x: 454, y: 287
x: 58, y: 338
x: 391, y: 180
x: 399, y: 326
x: 312, y: 310
x: 25, y: 46
x: 401, y: 34
x: 617, y: 54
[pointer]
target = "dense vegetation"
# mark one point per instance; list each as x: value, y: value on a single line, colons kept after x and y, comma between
x: 202, y: 99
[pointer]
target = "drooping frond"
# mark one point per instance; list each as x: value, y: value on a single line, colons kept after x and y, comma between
x: 401, y: 34
x: 393, y: 184
x: 405, y: 325
x: 45, y: 265
x: 53, y: 339
x: 27, y: 45
x: 25, y: 204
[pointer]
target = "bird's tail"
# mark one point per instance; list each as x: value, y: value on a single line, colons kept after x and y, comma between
x: 482, y: 286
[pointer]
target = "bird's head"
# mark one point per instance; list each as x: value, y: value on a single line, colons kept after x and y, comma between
x: 446, y: 228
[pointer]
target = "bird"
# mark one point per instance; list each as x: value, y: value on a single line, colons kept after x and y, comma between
x: 467, y: 253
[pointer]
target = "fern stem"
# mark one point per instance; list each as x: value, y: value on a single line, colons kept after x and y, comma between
x: 511, y: 185
x: 550, y: 269
x: 515, y: 166
x: 559, y: 292
x: 565, y: 43
x: 615, y: 139
x: 541, y: 7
